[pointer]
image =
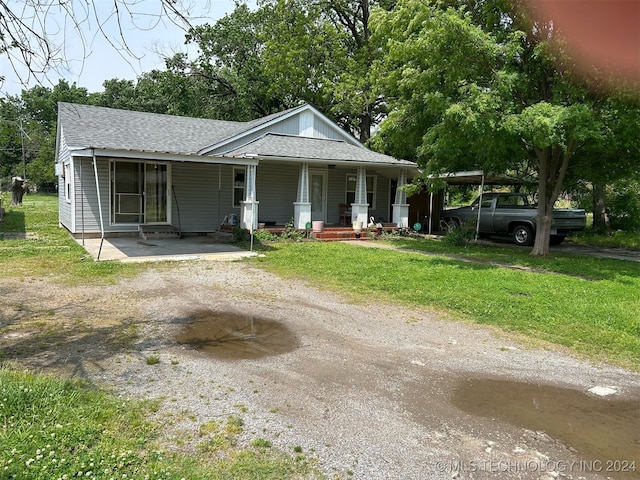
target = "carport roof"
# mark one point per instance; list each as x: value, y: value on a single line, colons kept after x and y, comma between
x: 475, y: 177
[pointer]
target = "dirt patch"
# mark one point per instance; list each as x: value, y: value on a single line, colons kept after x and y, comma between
x: 372, y: 391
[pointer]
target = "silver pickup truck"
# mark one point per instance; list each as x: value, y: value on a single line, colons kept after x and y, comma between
x: 512, y: 214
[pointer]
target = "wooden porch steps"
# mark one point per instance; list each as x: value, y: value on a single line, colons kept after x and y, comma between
x: 150, y: 232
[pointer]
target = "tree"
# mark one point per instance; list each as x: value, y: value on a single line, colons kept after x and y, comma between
x: 322, y: 50
x: 36, y: 34
x: 28, y: 131
x: 465, y: 98
x: 231, y: 64
x: 612, y: 159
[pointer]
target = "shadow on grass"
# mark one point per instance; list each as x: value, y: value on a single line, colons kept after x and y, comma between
x: 581, y: 266
x: 13, y: 224
x: 42, y: 338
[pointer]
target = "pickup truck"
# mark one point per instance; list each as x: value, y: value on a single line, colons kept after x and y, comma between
x: 512, y: 214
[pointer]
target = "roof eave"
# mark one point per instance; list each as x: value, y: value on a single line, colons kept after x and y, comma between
x: 330, y: 161
x: 161, y: 156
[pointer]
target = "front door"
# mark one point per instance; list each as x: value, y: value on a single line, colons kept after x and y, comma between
x: 318, y: 181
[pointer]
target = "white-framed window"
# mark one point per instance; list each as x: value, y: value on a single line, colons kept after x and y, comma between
x: 239, y: 179
x: 66, y: 170
x: 352, y: 181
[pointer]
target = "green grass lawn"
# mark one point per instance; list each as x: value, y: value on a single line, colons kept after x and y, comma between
x: 589, y: 305
x: 49, y: 250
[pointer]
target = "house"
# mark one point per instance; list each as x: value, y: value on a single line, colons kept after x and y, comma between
x: 121, y: 170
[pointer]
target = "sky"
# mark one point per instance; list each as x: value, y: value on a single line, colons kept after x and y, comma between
x: 144, y: 33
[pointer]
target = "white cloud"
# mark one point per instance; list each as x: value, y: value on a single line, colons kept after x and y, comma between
x: 89, y: 64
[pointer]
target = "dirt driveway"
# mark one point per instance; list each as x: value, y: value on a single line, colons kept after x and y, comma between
x: 371, y: 391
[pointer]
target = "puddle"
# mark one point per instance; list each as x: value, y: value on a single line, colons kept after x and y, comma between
x: 602, y: 429
x: 230, y: 336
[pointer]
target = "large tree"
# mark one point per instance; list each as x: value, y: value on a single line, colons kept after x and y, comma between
x: 231, y: 63
x: 494, y: 95
x: 323, y: 49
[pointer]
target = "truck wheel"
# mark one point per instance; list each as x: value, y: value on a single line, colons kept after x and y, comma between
x: 522, y: 235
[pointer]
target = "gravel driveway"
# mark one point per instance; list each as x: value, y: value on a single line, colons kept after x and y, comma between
x: 372, y: 391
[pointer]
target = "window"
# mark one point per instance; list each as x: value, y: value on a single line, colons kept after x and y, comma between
x: 352, y: 180
x: 67, y: 181
x: 239, y: 174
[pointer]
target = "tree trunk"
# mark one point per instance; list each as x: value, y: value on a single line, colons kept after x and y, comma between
x: 365, y: 127
x: 18, y: 187
x: 600, y: 215
x: 553, y: 163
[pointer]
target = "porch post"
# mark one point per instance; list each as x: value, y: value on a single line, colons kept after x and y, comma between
x: 302, y: 205
x: 249, y: 219
x: 400, y: 206
x: 360, y: 208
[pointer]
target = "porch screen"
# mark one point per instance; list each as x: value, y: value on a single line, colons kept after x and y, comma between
x: 138, y: 192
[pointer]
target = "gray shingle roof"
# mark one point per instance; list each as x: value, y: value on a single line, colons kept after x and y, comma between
x: 288, y: 146
x: 88, y: 126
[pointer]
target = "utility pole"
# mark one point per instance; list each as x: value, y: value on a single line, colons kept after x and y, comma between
x: 24, y: 161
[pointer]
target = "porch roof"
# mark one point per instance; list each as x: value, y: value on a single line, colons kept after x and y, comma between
x: 291, y: 147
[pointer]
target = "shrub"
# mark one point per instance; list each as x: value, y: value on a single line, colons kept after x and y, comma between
x: 460, y: 235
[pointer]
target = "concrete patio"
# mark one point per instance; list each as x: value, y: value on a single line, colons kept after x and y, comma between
x: 135, y: 249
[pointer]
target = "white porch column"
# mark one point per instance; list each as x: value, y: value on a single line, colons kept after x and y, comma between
x: 400, y: 206
x: 360, y: 208
x: 249, y: 219
x: 302, y: 205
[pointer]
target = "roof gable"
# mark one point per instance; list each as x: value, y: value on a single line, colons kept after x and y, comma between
x: 303, y: 121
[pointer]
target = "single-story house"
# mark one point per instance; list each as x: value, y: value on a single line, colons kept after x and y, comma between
x: 120, y: 170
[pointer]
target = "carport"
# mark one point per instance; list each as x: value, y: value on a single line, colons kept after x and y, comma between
x: 467, y: 178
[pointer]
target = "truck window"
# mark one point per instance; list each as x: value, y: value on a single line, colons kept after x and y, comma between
x: 511, y: 201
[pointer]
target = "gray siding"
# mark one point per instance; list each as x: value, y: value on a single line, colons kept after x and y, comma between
x: 86, y: 197
x: 65, y: 214
x: 336, y: 195
x: 324, y: 130
x: 277, y: 186
x: 290, y: 126
x: 198, y: 205
x: 276, y: 190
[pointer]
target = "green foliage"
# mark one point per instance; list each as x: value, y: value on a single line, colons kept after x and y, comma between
x: 590, y: 305
x: 290, y: 232
x: 240, y: 235
x: 617, y: 239
x: 460, y: 235
x: 262, y: 235
x: 57, y: 428
x: 624, y: 205
x: 517, y: 106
